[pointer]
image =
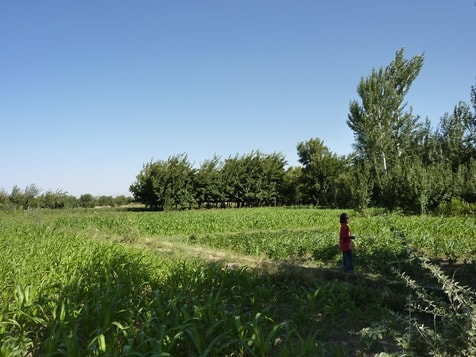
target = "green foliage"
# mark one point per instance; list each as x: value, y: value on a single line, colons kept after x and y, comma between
x: 440, y: 321
x: 412, y: 168
x: 456, y: 207
x: 319, y: 173
x: 87, y: 200
x: 100, y: 282
x: 383, y: 130
x: 457, y: 136
x: 165, y: 185
x: 252, y: 180
x: 464, y: 181
x: 399, y: 163
x: 32, y: 198
x: 360, y: 185
x: 80, y: 297
x: 208, y: 184
x: 291, y: 188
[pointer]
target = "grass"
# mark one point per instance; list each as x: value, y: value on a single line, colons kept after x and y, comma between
x: 249, y: 282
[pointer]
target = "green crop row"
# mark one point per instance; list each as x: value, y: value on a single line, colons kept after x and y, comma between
x: 74, y: 286
x: 277, y: 233
x: 68, y: 295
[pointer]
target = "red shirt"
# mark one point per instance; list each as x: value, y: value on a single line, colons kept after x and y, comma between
x: 345, y: 242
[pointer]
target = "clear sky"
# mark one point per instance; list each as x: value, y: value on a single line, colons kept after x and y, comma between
x: 91, y: 90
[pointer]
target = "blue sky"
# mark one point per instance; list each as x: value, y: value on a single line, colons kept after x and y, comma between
x: 92, y: 90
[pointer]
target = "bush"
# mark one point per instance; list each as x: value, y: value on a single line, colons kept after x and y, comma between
x: 456, y: 207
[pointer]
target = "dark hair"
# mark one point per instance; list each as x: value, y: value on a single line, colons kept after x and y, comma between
x: 343, y: 217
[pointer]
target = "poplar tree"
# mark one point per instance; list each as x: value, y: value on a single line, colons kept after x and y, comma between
x: 456, y: 137
x: 383, y: 126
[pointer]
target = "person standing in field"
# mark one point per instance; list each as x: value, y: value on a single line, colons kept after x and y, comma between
x: 346, y: 244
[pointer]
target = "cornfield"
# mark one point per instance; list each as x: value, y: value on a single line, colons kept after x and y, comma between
x: 235, y: 282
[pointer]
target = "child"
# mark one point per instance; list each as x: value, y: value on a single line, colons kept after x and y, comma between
x: 345, y: 244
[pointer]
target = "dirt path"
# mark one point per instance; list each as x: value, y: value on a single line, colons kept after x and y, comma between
x: 305, y: 270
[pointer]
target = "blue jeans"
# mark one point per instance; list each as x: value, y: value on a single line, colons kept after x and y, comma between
x: 347, y: 262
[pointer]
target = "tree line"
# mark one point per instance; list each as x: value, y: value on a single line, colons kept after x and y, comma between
x: 34, y: 197
x: 399, y: 162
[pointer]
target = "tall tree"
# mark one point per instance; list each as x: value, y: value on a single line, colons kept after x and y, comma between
x: 31, y: 194
x: 179, y: 183
x: 87, y: 200
x: 358, y: 183
x: 57, y: 199
x: 272, y: 178
x: 4, y: 199
x: 148, y: 182
x: 208, y: 183
x: 164, y: 185
x: 254, y: 179
x: 472, y: 123
x: 320, y: 170
x: 234, y: 174
x: 383, y: 127
x: 456, y: 137
x: 291, y: 189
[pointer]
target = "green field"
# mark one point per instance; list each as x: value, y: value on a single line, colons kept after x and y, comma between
x: 234, y: 282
